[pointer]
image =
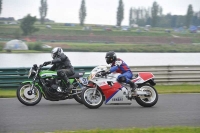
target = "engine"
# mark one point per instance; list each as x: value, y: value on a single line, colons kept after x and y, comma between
x: 53, y: 84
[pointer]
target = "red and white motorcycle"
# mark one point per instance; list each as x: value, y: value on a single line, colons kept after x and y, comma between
x: 106, y: 88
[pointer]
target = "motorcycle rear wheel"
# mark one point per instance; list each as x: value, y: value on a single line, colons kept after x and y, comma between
x: 92, y: 101
x: 150, y: 100
x: 26, y: 97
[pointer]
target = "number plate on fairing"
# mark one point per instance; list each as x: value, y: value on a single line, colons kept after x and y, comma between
x: 84, y: 80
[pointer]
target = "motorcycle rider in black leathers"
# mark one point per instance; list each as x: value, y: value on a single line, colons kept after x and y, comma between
x: 62, y: 65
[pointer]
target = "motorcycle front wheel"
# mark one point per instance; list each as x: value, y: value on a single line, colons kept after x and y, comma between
x: 151, y: 99
x: 92, y: 98
x: 28, y: 97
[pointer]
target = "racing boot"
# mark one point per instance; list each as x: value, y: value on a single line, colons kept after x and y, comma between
x: 68, y: 88
x: 133, y: 86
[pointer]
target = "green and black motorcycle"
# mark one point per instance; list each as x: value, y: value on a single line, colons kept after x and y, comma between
x: 46, y: 83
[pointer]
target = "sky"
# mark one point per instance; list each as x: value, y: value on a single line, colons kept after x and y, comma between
x: 98, y: 11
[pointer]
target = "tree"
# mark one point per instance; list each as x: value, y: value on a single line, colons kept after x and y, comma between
x: 0, y: 6
x: 43, y: 10
x: 160, y: 11
x: 131, y: 17
x: 154, y: 13
x: 164, y: 21
x: 174, y: 21
x: 189, y: 15
x: 196, y: 19
x: 180, y: 21
x: 27, y: 25
x: 120, y: 13
x: 82, y: 13
x: 141, y: 16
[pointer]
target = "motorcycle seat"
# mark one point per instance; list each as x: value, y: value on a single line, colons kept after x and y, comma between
x: 77, y: 75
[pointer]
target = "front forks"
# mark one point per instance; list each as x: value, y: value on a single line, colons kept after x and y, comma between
x: 32, y: 86
x: 95, y: 90
x: 32, y: 90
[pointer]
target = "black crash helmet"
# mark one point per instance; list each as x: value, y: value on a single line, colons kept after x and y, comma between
x: 110, y: 57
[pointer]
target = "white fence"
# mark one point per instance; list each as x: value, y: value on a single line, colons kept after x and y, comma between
x: 180, y: 74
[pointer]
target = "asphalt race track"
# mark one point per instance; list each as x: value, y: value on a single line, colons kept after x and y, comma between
x: 47, y: 116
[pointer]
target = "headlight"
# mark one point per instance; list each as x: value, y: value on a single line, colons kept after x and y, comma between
x: 91, y: 76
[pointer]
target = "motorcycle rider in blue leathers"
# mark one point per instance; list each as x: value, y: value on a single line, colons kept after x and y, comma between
x: 119, y: 66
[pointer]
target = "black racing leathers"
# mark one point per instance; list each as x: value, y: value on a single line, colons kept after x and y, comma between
x: 63, y: 67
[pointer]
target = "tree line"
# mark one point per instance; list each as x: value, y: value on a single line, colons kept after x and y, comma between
x: 150, y: 16
x: 0, y: 6
x: 153, y: 16
x: 141, y: 16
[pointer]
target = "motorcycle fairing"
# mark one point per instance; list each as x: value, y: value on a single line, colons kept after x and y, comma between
x: 120, y: 97
x: 115, y: 94
x: 143, y: 77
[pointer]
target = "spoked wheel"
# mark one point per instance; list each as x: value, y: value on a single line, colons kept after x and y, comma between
x: 149, y: 100
x: 78, y: 90
x: 28, y: 97
x: 92, y: 98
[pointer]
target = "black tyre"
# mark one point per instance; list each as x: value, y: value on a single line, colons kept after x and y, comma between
x: 148, y: 101
x: 92, y: 101
x: 27, y: 97
x: 77, y: 97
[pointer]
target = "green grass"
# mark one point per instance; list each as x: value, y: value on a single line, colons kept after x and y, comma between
x: 140, y: 130
x: 6, y: 93
x: 67, y: 31
x: 102, y: 47
x: 60, y: 29
x: 162, y: 89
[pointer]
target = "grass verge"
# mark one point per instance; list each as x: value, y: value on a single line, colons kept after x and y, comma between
x: 140, y: 130
x: 162, y: 89
x: 7, y: 93
x: 103, y: 47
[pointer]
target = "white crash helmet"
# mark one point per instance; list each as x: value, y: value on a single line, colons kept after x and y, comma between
x: 56, y: 52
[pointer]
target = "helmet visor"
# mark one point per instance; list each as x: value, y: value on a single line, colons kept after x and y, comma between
x: 53, y: 55
x: 108, y: 61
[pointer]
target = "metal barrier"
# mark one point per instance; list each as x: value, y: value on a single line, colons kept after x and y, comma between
x: 12, y: 77
x: 176, y: 74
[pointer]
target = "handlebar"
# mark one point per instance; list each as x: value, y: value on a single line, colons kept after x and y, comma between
x: 41, y: 65
x: 99, y: 74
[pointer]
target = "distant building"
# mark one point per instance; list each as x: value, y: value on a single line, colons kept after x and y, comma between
x: 16, y: 45
x: 48, y: 20
x: 69, y: 24
x: 87, y: 28
x: 193, y: 29
x: 48, y: 26
x: 134, y: 26
x: 7, y: 19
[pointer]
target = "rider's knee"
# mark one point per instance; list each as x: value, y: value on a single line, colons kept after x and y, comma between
x: 122, y: 79
x: 60, y: 73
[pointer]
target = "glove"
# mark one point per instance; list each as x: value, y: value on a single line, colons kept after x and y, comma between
x: 105, y: 73
x: 46, y: 63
